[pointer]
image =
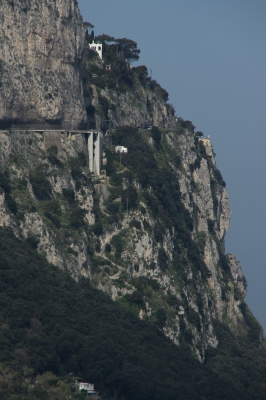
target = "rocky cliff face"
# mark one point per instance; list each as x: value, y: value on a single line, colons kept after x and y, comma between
x: 117, y: 99
x: 140, y: 107
x: 151, y: 232
x: 161, y: 270
x: 56, y: 189
x: 191, y: 297
x: 41, y: 52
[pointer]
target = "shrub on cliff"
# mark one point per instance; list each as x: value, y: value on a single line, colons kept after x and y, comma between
x: 143, y: 75
x: 156, y: 135
x: 157, y: 89
x: 77, y: 218
x: 118, y: 242
x: 5, y: 185
x: 41, y: 187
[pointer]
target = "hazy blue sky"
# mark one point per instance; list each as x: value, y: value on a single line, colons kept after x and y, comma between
x: 210, y: 55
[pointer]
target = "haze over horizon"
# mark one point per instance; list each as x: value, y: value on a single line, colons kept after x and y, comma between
x: 211, y: 58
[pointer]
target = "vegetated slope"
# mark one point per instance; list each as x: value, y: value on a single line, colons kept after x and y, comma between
x: 118, y: 94
x: 49, y: 322
x: 162, y: 230
x: 150, y: 234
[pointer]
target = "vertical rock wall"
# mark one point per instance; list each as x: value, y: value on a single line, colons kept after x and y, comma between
x: 41, y: 50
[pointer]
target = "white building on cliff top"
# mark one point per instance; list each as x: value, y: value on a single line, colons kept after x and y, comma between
x: 98, y: 47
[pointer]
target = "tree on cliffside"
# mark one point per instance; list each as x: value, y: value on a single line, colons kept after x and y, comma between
x: 157, y: 89
x: 142, y: 73
x: 128, y: 49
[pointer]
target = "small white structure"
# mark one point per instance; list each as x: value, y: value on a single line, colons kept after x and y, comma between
x: 95, y: 148
x: 205, y: 141
x: 121, y: 149
x: 87, y: 387
x: 207, y: 144
x: 180, y: 310
x: 98, y: 47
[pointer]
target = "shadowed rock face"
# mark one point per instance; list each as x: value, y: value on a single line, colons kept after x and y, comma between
x: 41, y: 49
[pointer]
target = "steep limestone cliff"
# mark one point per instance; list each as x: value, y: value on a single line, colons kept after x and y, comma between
x: 140, y: 107
x: 61, y: 191
x: 151, y: 232
x: 41, y: 52
x: 152, y: 240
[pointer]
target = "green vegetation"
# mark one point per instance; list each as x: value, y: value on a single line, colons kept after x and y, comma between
x: 53, y: 327
x: 160, y: 191
x: 186, y: 124
x: 118, y: 242
x: 52, y: 156
x: 146, y: 176
x: 158, y: 90
x: 40, y: 184
x: 5, y: 185
x: 143, y: 182
x: 115, y: 73
x: 156, y: 135
x: 126, y: 49
x: 51, y: 323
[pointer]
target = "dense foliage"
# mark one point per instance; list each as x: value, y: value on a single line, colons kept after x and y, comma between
x: 115, y: 72
x: 51, y: 323
x: 6, y: 188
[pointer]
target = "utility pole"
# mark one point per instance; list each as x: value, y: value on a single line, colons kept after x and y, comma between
x: 151, y: 73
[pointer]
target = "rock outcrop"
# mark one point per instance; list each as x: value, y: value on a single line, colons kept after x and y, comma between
x: 41, y: 51
x: 140, y: 107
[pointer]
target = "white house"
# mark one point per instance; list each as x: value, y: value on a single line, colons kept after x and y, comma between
x: 98, y: 47
x: 121, y: 149
x: 89, y: 388
x: 86, y: 386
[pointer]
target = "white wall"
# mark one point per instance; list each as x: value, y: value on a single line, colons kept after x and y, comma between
x: 98, y: 47
x: 95, y: 149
